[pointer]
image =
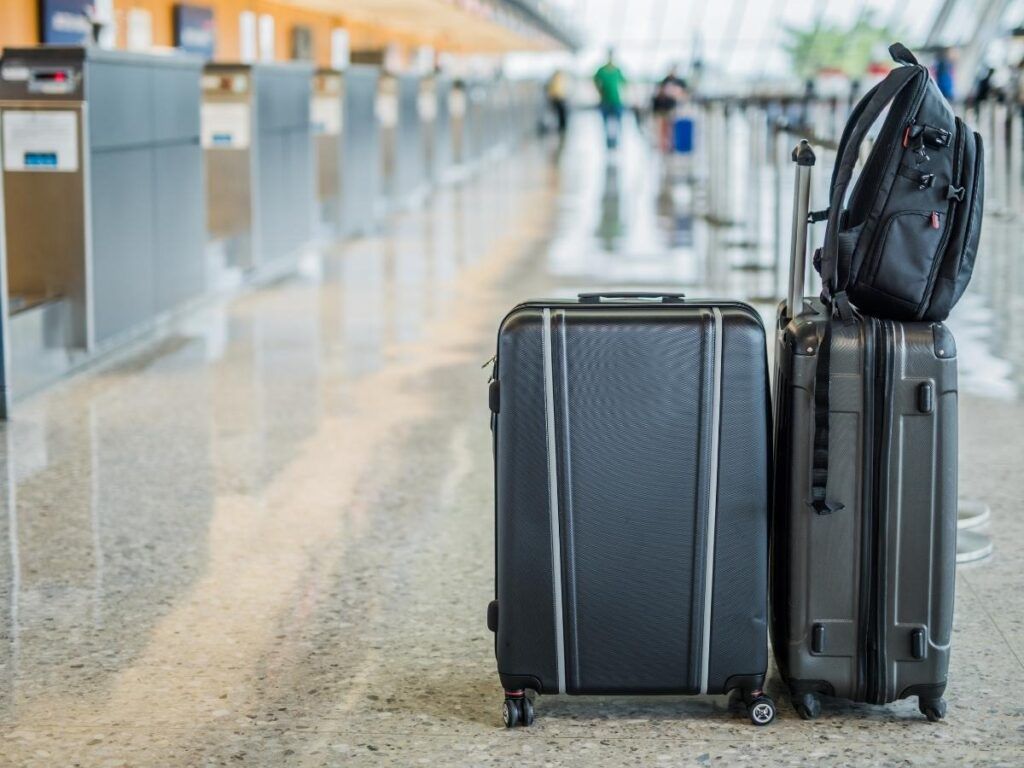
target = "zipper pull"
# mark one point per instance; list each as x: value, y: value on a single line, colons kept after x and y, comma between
x: 935, y: 219
x: 489, y: 362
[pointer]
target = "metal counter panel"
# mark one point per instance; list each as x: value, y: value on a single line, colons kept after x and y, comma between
x: 409, y: 151
x: 360, y: 181
x: 123, y: 253
x: 120, y: 98
x: 180, y: 224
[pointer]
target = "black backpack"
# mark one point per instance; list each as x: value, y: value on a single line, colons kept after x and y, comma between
x: 904, y: 247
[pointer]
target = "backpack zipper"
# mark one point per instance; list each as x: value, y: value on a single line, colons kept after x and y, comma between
x: 958, y: 169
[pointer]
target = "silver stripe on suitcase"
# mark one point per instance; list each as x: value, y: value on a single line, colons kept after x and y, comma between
x: 556, y: 542
x: 709, y: 557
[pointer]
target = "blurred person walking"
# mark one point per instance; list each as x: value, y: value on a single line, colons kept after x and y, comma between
x: 558, y: 98
x: 668, y: 96
x: 944, y: 73
x: 609, y: 82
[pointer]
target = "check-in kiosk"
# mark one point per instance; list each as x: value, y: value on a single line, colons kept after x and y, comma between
x: 361, y: 150
x: 257, y: 140
x: 103, y: 200
x: 326, y: 115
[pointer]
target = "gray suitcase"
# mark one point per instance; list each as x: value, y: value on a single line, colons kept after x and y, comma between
x: 632, y: 471
x: 862, y: 575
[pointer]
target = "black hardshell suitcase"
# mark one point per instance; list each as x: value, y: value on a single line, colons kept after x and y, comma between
x: 862, y: 586
x: 631, y: 438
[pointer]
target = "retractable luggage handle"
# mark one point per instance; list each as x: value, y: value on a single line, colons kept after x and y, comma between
x: 803, y: 156
x: 599, y: 297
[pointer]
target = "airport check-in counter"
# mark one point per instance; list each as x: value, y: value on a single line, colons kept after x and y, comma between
x: 474, y: 134
x: 387, y: 116
x: 457, y: 99
x: 361, y: 150
x: 435, y: 110
x: 410, y: 150
x: 103, y: 201
x: 258, y: 144
x: 326, y: 115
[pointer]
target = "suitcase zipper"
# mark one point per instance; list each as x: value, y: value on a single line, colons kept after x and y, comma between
x: 884, y: 372
x: 865, y: 616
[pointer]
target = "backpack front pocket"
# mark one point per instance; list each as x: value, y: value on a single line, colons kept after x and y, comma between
x: 906, y: 253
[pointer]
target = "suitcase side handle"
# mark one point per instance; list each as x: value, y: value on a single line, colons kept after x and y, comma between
x: 598, y: 298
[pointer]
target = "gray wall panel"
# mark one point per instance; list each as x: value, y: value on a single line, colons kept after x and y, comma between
x: 120, y: 103
x: 283, y: 147
x: 179, y: 226
x: 123, y: 275
x: 360, y: 180
x: 302, y: 198
x: 442, y: 135
x: 409, y: 155
x: 176, y: 99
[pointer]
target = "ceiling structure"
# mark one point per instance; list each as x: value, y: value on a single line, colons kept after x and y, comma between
x: 744, y: 38
x: 486, y: 26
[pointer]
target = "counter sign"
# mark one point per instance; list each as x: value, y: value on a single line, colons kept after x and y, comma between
x: 65, y: 21
x: 194, y: 30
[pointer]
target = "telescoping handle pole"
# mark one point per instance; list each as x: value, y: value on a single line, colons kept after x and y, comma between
x: 803, y: 156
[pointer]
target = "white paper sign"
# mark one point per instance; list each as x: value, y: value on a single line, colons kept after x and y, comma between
x: 387, y: 109
x: 247, y: 36
x: 266, y: 37
x: 457, y: 102
x: 341, y: 55
x: 139, y: 30
x: 427, y: 105
x: 40, y: 140
x: 224, y: 125
x: 325, y: 115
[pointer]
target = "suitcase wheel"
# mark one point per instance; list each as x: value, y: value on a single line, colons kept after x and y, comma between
x: 510, y: 713
x: 761, y: 709
x: 933, y: 709
x: 517, y: 709
x: 807, y: 705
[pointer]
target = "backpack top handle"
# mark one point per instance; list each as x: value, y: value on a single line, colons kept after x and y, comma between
x: 900, y: 53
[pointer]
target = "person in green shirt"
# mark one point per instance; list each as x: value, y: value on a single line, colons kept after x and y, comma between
x: 609, y: 82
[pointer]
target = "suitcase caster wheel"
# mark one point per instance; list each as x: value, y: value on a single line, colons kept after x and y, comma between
x: 510, y: 713
x: 526, y: 711
x: 933, y: 709
x: 761, y: 710
x: 807, y: 705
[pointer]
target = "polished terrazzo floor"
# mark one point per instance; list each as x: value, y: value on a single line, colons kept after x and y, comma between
x: 267, y: 539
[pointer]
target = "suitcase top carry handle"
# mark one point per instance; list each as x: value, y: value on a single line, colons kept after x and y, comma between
x: 664, y: 298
